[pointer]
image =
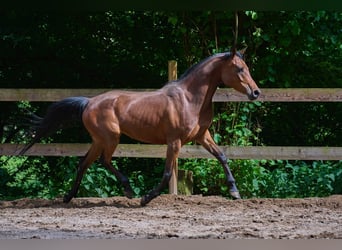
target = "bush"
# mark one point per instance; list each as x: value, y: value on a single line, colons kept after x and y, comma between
x: 303, y: 179
x: 51, y: 177
x: 34, y: 177
x: 268, y: 179
x: 209, y: 177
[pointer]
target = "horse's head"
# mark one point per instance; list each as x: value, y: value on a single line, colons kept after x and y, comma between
x: 235, y: 74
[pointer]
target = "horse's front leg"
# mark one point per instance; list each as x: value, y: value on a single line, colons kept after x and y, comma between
x: 171, y: 157
x: 208, y: 143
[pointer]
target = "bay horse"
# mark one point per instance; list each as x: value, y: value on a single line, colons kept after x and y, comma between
x: 174, y: 115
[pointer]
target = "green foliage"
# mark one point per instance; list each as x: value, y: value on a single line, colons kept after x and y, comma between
x: 50, y: 177
x: 33, y: 177
x: 234, y: 124
x: 261, y: 178
x: 99, y: 182
x: 302, y: 179
x: 297, y: 49
x: 209, y: 177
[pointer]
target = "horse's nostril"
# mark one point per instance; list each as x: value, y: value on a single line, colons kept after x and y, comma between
x: 256, y: 93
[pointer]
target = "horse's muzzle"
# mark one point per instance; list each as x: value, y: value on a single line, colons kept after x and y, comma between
x: 254, y: 94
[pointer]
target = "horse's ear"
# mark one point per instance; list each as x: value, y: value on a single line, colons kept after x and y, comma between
x: 233, y: 52
x: 242, y: 51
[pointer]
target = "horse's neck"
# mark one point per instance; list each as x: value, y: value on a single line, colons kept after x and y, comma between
x: 202, y: 84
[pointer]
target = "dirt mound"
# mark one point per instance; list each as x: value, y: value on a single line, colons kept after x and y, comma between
x: 171, y: 216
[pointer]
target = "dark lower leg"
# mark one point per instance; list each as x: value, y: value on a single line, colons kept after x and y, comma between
x: 83, y: 165
x: 80, y: 172
x: 234, y: 192
x: 209, y: 144
x: 128, y: 191
x: 171, y: 157
x: 155, y: 192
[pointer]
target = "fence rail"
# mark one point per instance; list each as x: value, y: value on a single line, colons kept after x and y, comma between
x: 187, y: 151
x: 221, y: 95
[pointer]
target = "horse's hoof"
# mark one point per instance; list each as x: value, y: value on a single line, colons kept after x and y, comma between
x: 235, y: 195
x: 144, y: 200
x: 67, y: 199
x: 129, y: 194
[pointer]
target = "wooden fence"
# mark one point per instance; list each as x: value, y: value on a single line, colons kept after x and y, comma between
x: 188, y: 151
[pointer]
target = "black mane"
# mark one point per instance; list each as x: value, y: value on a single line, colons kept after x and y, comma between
x: 224, y: 56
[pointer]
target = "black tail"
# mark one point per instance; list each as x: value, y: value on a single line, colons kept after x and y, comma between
x: 58, y: 114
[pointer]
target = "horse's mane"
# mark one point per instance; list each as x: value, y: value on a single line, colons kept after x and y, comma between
x: 224, y: 56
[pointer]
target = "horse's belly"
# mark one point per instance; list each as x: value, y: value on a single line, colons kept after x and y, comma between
x: 147, y: 135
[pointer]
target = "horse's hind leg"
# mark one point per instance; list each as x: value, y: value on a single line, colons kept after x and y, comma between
x: 106, y: 160
x: 208, y: 143
x: 93, y: 153
x: 123, y: 179
x: 171, y: 157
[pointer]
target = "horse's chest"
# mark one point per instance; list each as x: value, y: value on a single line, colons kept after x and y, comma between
x: 196, y: 129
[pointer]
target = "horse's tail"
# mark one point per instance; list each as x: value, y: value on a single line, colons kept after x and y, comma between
x: 59, y: 114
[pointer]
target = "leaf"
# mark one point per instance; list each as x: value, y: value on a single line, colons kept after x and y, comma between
x: 217, y: 138
x: 331, y: 177
x: 173, y: 20
x: 252, y: 14
x: 90, y: 178
x: 295, y: 28
x: 266, y: 37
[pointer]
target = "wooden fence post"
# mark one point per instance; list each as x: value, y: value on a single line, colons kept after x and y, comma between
x: 172, y: 70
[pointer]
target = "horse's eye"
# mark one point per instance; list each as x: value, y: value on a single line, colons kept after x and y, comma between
x: 239, y: 69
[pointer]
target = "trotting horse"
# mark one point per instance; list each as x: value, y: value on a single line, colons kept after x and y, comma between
x: 178, y: 113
